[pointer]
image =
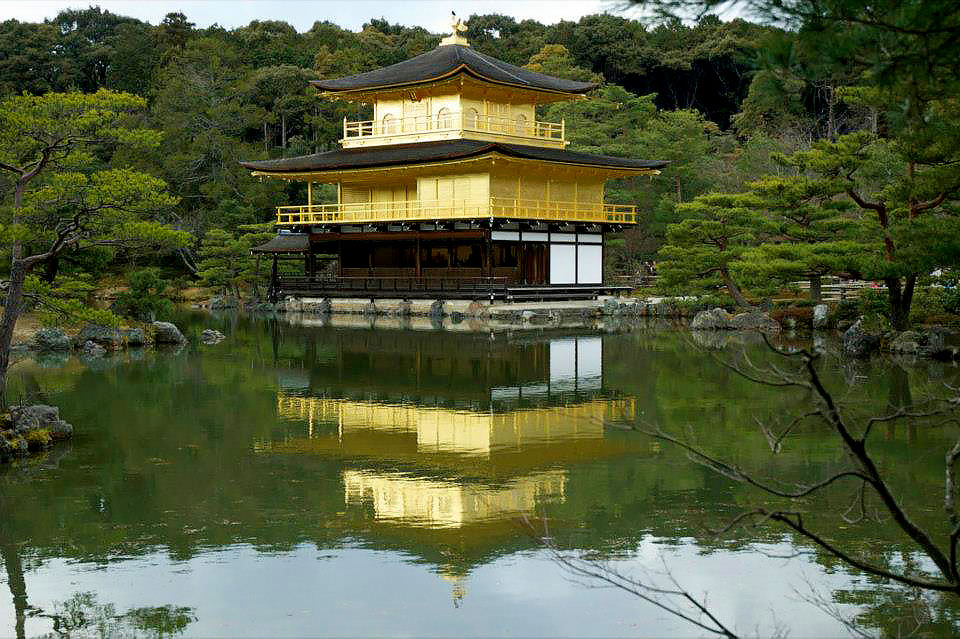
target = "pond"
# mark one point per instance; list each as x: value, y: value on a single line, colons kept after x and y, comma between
x: 311, y: 477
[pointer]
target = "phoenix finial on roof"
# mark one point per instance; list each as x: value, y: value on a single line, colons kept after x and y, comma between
x: 457, y: 23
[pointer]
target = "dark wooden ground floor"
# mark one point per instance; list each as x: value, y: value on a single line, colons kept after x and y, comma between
x: 478, y: 263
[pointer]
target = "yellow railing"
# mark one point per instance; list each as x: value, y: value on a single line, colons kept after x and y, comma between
x: 417, y: 210
x: 518, y: 126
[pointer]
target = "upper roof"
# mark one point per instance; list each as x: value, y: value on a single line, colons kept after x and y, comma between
x: 425, y: 152
x: 448, y: 60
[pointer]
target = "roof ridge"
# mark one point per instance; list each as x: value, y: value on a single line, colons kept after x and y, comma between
x: 497, y: 63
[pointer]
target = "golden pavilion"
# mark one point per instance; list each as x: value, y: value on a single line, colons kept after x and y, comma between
x: 454, y: 190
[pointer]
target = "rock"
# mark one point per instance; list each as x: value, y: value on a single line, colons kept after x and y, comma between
x: 718, y: 319
x: 210, y: 336
x: 12, y: 446
x: 478, y: 310
x: 30, y: 428
x: 167, y: 333
x: 50, y: 339
x: 611, y: 307
x: 714, y: 319
x: 907, y: 342
x: 821, y: 313
x: 105, y: 336
x: 754, y: 321
x: 290, y: 305
x: 863, y: 337
x: 26, y: 419
x: 929, y: 342
x: 91, y: 349
x: 222, y: 302
x: 133, y: 336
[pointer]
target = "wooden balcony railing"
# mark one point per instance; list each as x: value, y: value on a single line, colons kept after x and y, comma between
x: 418, y: 210
x: 518, y: 126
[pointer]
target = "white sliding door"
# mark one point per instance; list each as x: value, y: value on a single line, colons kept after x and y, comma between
x: 563, y: 264
x: 589, y: 264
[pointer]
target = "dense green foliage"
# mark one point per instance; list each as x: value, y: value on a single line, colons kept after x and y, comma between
x: 146, y: 299
x: 67, y: 196
x: 839, y: 120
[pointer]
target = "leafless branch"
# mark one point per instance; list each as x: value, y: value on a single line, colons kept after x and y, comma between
x: 671, y: 600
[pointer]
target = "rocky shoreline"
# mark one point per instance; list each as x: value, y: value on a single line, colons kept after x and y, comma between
x: 94, y: 341
x: 31, y: 429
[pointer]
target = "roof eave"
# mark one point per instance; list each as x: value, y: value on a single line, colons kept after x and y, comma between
x: 463, y: 68
x: 478, y: 155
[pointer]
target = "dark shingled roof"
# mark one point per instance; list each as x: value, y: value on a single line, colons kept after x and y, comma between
x: 285, y: 243
x: 445, y: 60
x: 424, y: 152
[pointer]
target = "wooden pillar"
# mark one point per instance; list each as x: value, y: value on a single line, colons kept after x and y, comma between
x: 416, y: 258
x: 488, y: 253
x: 274, y: 286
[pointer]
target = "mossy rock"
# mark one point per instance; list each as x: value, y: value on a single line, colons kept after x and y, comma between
x: 38, y: 439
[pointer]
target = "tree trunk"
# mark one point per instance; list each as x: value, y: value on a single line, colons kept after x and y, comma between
x: 283, y: 131
x: 266, y: 140
x: 901, y: 299
x: 51, y: 268
x: 831, y: 123
x: 733, y: 289
x: 11, y: 311
x: 816, y: 293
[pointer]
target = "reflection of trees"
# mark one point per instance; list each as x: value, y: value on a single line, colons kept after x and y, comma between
x: 82, y: 615
x: 13, y: 566
x: 807, y: 506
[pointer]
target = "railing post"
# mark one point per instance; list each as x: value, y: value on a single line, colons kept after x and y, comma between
x: 563, y: 129
x: 344, y: 127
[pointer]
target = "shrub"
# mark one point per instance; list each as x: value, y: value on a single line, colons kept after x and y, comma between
x: 847, y: 311
x: 874, y: 301
x: 145, y: 300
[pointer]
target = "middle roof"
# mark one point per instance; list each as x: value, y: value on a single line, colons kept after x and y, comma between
x: 428, y: 152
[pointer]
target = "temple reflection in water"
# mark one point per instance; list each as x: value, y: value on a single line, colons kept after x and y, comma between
x: 453, y: 435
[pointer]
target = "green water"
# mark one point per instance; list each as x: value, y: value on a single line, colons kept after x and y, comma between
x: 304, y: 479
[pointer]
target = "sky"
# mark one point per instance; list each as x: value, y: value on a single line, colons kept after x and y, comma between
x: 434, y: 15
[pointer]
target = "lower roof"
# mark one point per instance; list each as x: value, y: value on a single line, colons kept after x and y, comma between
x: 426, y: 152
x: 285, y: 243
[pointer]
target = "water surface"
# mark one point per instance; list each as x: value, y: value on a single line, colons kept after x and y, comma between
x: 362, y: 478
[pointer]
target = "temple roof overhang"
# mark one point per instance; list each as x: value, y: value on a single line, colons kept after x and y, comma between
x: 445, y: 62
x: 438, y: 153
x: 285, y: 243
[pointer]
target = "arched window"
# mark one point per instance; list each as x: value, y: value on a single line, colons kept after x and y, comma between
x: 444, y: 119
x: 389, y: 124
x: 471, y: 118
x: 521, y: 124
